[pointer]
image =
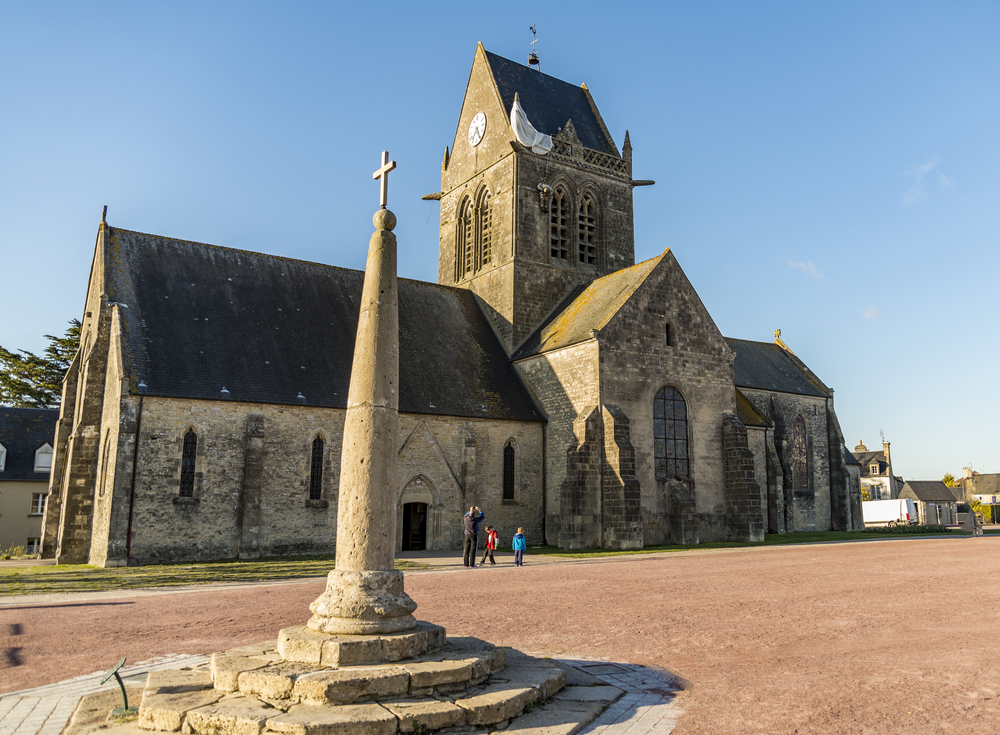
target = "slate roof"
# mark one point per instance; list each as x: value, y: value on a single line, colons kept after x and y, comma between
x: 749, y: 415
x: 927, y: 491
x: 867, y: 459
x: 850, y: 458
x: 586, y: 308
x: 767, y: 366
x: 22, y: 431
x: 549, y: 102
x: 202, y: 317
x: 986, y: 484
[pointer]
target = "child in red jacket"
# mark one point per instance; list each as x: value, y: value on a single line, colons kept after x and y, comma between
x: 492, y: 539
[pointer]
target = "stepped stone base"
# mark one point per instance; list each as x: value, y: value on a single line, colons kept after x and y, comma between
x: 451, y: 683
x: 305, y: 645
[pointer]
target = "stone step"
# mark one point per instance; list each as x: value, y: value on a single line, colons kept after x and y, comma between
x: 304, y: 645
x: 185, y: 701
x: 460, y: 663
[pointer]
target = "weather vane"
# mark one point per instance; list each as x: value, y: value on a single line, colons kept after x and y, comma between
x: 533, y: 57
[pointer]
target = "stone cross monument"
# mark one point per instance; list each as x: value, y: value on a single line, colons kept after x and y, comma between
x: 364, y: 593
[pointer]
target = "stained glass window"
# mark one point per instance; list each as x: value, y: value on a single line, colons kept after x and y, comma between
x: 670, y: 434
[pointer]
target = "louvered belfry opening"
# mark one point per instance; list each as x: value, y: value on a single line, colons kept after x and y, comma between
x: 588, y: 230
x: 559, y: 215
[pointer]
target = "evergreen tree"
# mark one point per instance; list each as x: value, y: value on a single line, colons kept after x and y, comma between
x: 32, y: 381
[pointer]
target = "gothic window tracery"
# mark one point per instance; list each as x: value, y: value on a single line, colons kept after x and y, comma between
x: 670, y: 434
x: 189, y: 453
x: 588, y: 230
x: 559, y: 218
x: 800, y: 455
x: 316, y: 470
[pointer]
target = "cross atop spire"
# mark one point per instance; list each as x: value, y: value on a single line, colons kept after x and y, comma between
x: 383, y: 174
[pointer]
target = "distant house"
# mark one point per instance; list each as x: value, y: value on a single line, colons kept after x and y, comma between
x: 876, y: 472
x: 936, y: 502
x: 982, y: 487
x: 853, y: 471
x: 26, y: 438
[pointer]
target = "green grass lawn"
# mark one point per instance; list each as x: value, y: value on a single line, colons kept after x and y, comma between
x: 85, y: 578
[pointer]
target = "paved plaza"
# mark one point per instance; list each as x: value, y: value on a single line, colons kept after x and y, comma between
x: 865, y: 637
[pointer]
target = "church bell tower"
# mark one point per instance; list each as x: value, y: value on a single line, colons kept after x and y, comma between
x: 524, y: 223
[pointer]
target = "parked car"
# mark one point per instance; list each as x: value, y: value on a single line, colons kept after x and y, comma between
x: 889, y: 512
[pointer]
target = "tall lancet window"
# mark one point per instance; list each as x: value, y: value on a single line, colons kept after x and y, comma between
x: 559, y: 219
x: 189, y: 454
x: 484, y: 210
x: 466, y: 239
x: 316, y: 470
x: 508, y: 472
x: 670, y: 434
x: 588, y: 230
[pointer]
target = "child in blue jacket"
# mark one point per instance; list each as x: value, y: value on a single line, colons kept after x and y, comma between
x: 519, y: 546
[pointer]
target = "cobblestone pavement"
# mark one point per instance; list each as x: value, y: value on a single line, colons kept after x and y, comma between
x: 649, y: 704
x: 648, y: 707
x: 46, y: 710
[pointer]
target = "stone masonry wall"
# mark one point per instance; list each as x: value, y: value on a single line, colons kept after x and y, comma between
x: 636, y: 361
x: 564, y: 382
x: 251, y: 493
x: 808, y: 509
x: 744, y: 504
x: 60, y: 450
x: 621, y: 498
x: 82, y: 447
x: 113, y: 479
x: 580, y: 491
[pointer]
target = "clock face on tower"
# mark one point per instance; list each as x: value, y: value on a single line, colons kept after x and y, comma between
x: 477, y: 128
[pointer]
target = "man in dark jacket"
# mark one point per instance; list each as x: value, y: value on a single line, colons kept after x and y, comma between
x: 472, y: 520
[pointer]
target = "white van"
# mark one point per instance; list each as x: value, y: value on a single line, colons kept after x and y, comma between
x: 889, y: 512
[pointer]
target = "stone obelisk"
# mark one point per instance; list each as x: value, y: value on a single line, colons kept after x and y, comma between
x: 364, y: 593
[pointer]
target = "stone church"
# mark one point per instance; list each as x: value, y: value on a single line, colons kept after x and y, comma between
x: 546, y: 377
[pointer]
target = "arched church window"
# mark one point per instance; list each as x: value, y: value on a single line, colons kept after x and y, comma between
x: 800, y: 455
x: 588, y: 230
x: 466, y: 238
x: 559, y: 214
x: 316, y: 470
x: 484, y: 212
x: 188, y: 455
x: 670, y: 434
x: 508, y: 472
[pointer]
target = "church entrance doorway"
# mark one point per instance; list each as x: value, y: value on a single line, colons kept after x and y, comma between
x: 414, y: 526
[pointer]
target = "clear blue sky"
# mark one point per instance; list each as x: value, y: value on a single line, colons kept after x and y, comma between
x: 829, y: 168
